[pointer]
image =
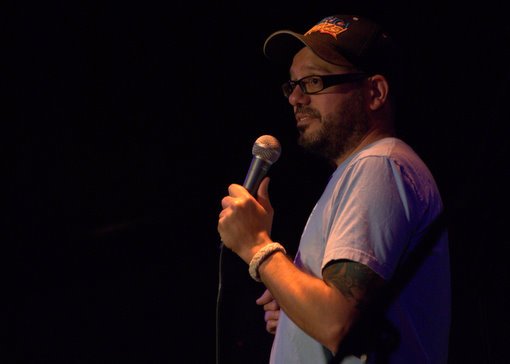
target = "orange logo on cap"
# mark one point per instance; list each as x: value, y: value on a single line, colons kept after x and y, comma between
x: 330, y: 25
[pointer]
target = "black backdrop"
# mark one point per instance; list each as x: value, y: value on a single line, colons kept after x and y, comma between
x: 131, y: 119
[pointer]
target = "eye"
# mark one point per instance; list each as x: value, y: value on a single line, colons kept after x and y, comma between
x: 314, y: 81
x: 312, y: 84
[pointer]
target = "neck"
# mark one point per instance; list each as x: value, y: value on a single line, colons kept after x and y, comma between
x: 370, y: 137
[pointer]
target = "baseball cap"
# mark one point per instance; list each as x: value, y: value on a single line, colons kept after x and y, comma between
x: 359, y: 40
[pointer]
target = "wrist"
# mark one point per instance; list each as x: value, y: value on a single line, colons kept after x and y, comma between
x: 261, y: 256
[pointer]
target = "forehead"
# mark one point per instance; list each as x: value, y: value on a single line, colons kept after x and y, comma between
x: 306, y: 60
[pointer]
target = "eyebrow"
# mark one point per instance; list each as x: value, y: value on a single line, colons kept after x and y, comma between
x: 313, y: 68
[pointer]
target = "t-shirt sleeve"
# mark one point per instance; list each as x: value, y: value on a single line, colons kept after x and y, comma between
x: 371, y: 215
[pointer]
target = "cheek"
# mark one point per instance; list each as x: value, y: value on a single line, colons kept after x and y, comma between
x: 332, y: 109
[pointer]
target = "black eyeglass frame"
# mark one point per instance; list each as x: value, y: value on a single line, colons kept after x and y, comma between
x: 327, y: 81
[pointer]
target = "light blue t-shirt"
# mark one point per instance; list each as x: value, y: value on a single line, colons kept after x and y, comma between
x: 374, y: 210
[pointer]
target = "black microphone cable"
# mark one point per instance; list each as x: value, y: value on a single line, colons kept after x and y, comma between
x: 266, y: 150
x: 218, y: 302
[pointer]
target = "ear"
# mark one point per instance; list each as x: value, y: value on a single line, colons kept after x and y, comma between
x: 378, y: 91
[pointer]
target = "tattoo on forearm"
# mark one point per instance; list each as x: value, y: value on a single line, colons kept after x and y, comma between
x: 356, y: 281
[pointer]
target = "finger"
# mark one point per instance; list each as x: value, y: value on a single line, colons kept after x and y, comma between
x: 236, y: 190
x: 263, y: 194
x: 271, y: 306
x: 265, y: 298
x: 272, y: 315
x: 227, y: 201
x: 271, y: 326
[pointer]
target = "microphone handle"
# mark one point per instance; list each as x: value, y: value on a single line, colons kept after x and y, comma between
x: 257, y: 171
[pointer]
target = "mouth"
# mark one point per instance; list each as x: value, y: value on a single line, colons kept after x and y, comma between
x: 303, y: 121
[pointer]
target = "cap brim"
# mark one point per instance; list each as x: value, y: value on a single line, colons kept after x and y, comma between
x: 281, y: 46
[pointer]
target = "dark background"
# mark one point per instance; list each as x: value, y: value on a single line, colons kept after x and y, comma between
x: 131, y: 119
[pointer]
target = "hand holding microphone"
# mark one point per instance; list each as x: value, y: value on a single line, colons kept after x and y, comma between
x: 245, y: 222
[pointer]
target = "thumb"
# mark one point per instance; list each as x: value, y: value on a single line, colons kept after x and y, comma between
x: 263, y: 195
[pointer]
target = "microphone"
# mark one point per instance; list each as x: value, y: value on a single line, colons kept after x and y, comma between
x: 266, y: 150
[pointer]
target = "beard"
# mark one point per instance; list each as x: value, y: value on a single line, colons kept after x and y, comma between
x: 339, y: 132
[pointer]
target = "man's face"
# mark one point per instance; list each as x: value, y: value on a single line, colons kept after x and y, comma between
x: 333, y: 121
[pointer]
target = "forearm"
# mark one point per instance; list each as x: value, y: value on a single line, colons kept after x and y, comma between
x: 318, y: 309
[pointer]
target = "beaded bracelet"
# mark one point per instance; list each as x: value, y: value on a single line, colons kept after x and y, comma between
x: 262, y: 255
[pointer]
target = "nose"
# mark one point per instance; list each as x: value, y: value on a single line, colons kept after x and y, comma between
x: 298, y: 97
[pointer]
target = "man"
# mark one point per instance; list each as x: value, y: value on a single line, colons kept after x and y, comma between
x: 371, y: 280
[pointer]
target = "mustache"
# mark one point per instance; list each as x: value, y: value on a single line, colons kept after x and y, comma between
x: 308, y: 111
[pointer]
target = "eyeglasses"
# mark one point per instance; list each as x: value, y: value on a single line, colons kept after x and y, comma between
x: 314, y: 84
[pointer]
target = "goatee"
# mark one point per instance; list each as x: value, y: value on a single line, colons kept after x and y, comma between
x: 340, y: 131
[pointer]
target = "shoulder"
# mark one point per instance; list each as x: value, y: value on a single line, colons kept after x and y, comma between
x: 395, y: 157
x: 391, y: 148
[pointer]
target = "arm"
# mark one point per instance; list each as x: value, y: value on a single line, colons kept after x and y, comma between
x: 324, y: 309
x: 358, y: 283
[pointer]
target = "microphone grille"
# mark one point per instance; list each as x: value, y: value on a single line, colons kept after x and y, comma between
x: 268, y: 148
